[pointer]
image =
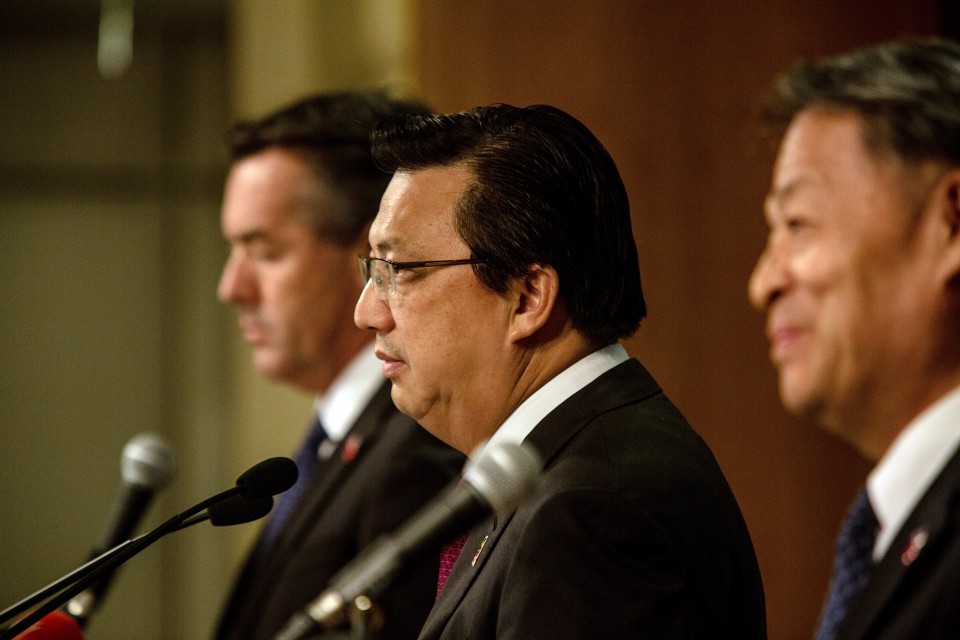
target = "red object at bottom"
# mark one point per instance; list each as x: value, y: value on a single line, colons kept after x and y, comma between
x: 56, y: 625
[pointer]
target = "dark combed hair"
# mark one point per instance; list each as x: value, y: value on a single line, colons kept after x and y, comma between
x: 332, y: 131
x: 545, y: 192
x: 906, y: 91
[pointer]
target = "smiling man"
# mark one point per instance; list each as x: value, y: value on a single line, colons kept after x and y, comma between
x: 860, y: 282
x: 502, y: 275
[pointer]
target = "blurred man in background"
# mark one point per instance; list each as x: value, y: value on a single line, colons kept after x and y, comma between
x: 300, y: 195
x: 860, y: 283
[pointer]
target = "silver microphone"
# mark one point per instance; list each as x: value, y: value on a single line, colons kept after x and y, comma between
x: 497, y: 480
x: 146, y: 466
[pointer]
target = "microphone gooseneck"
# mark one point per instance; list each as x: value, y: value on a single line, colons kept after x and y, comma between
x: 252, y: 493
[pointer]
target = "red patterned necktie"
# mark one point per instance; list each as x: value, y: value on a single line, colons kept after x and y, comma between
x: 448, y: 556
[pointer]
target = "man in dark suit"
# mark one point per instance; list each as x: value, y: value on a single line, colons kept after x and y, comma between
x: 502, y: 276
x: 860, y: 282
x: 300, y: 195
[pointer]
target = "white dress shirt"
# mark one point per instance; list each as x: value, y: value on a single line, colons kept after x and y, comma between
x: 349, y: 394
x: 910, y: 466
x: 548, y: 397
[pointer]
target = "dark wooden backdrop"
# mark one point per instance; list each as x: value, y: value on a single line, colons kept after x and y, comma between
x: 669, y: 88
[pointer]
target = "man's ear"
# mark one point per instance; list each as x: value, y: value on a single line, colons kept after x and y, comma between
x: 948, y: 196
x: 534, y: 298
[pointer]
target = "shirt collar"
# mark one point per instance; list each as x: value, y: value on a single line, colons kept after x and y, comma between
x: 548, y: 397
x: 910, y: 466
x: 349, y: 394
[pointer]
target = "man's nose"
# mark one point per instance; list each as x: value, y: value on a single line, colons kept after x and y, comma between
x: 372, y: 313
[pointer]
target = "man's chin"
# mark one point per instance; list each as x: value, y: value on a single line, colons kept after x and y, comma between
x: 399, y: 398
x: 270, y: 366
x: 803, y: 403
x: 793, y: 400
x: 405, y: 403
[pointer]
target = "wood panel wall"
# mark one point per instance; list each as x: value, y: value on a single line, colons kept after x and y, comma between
x: 669, y: 88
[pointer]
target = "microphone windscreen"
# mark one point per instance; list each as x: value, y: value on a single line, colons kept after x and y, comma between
x: 268, y: 478
x: 504, y: 474
x: 239, y: 510
x: 147, y: 461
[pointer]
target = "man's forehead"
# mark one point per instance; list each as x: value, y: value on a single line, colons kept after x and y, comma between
x: 784, y: 189
x: 388, y: 234
x: 417, y: 211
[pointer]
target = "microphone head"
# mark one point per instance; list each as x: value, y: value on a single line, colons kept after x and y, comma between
x: 239, y: 510
x: 504, y: 474
x: 147, y: 461
x: 268, y: 478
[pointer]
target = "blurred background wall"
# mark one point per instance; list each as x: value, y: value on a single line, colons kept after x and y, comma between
x: 110, y: 248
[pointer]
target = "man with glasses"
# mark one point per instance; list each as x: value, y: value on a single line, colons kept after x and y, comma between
x: 299, y: 198
x: 501, y: 276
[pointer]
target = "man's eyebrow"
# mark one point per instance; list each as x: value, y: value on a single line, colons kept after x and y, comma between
x: 249, y: 237
x: 781, y: 194
x: 785, y: 191
x: 387, y: 245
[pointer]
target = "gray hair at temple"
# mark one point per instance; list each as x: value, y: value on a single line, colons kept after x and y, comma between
x: 906, y: 91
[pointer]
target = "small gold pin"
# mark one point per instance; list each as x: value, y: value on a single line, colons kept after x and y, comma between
x: 473, y: 562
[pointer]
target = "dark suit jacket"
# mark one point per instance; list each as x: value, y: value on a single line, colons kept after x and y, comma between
x: 353, y: 497
x: 633, y: 533
x: 914, y: 591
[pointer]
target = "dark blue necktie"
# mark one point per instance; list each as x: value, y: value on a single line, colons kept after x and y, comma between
x: 852, y: 564
x: 306, y: 461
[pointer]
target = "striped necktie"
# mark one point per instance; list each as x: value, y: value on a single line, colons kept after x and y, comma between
x: 306, y: 461
x: 852, y: 564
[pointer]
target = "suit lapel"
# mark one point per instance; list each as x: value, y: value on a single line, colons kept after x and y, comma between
x: 476, y: 550
x: 908, y: 552
x: 330, y: 474
x: 624, y: 384
x: 627, y: 383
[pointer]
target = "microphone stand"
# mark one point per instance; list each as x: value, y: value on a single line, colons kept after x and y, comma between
x: 92, y: 565
x: 88, y: 574
x: 361, y: 618
x: 78, y: 573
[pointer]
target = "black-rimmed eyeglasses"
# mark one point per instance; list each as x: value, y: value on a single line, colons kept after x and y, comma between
x: 383, y: 273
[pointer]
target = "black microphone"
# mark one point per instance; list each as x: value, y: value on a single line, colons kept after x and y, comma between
x: 496, y: 480
x: 236, y: 509
x: 267, y: 478
x: 146, y: 465
x: 252, y: 494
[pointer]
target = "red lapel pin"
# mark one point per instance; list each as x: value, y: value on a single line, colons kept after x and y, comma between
x: 917, y: 541
x: 350, y: 448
